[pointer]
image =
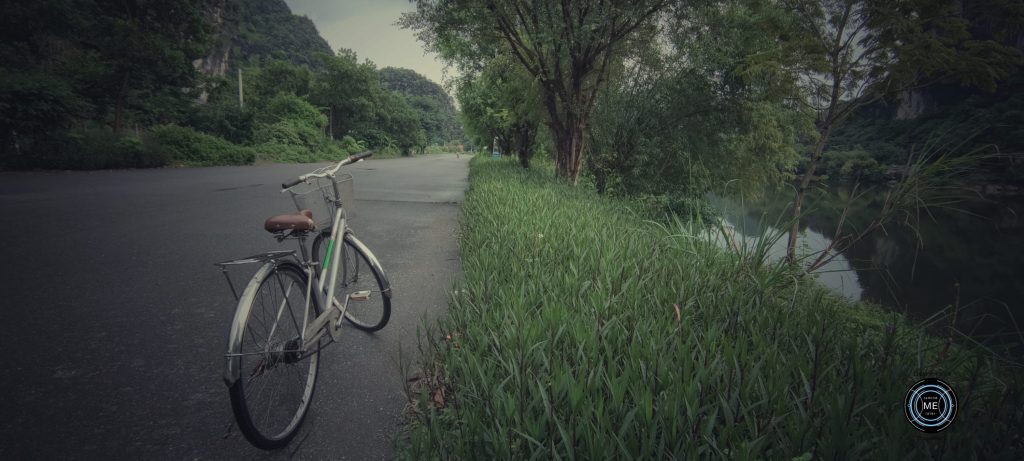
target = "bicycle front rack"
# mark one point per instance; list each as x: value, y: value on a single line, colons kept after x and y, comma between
x: 258, y: 258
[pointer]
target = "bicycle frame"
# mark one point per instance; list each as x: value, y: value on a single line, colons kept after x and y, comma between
x: 314, y: 330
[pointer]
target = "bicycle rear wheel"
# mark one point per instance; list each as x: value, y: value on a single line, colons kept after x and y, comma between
x: 356, y: 274
x: 272, y: 395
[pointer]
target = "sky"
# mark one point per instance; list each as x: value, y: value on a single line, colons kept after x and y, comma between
x: 368, y: 28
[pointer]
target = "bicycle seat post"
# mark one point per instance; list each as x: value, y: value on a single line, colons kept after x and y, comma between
x: 302, y: 248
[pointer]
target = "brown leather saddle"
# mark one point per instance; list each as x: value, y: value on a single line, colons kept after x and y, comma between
x: 301, y: 221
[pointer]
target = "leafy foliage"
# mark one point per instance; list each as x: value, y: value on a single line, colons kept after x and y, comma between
x: 71, y: 66
x: 852, y: 165
x: 190, y: 147
x: 696, y: 116
x: 120, y: 64
x: 436, y: 112
x: 567, y: 48
x: 500, y: 102
x: 90, y: 148
x: 221, y: 116
x: 363, y: 108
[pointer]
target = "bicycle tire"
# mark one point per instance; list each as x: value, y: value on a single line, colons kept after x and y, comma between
x: 370, y: 315
x: 276, y: 352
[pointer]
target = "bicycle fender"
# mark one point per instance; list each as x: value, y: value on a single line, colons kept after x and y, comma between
x: 232, y: 367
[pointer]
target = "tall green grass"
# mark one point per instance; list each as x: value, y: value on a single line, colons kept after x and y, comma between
x: 581, y: 331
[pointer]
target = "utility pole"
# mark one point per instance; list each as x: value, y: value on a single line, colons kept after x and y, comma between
x: 241, y: 98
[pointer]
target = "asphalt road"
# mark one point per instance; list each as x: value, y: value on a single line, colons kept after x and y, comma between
x: 114, y: 322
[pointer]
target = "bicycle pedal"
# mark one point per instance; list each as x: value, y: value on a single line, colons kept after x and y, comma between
x: 360, y: 295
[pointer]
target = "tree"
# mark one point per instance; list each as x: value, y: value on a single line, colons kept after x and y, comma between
x: 149, y: 47
x: 400, y: 123
x: 72, y: 60
x: 352, y: 90
x: 436, y: 111
x: 845, y: 54
x: 274, y: 76
x: 688, y: 111
x: 268, y: 29
x: 568, y: 47
x: 499, y: 102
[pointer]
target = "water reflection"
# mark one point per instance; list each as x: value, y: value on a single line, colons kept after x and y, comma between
x: 978, y: 248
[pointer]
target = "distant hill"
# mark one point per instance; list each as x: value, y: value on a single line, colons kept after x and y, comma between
x: 409, y: 82
x: 246, y: 30
x: 438, y: 111
x: 268, y: 29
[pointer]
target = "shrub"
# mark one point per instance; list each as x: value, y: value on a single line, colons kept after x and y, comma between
x: 88, y: 149
x: 287, y: 106
x: 225, y: 120
x: 289, y: 129
x: 388, y: 151
x: 190, y: 147
x: 660, y: 207
x: 293, y: 153
x: 285, y: 153
x: 290, y: 132
x: 854, y: 164
x: 350, y: 145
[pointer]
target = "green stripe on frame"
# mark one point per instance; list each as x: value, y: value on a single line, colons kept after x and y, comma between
x: 330, y: 249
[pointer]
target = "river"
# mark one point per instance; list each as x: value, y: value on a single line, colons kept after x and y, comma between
x: 969, y: 257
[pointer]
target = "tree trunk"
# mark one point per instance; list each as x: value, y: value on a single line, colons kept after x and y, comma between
x: 524, y: 160
x: 524, y: 143
x: 505, y: 144
x: 569, y: 149
x: 801, y: 192
x: 577, y: 147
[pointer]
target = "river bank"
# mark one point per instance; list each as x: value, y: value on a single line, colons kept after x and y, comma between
x: 583, y: 330
x: 961, y: 257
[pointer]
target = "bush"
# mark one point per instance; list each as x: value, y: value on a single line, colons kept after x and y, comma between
x: 190, y: 147
x: 660, y: 207
x: 293, y: 153
x: 848, y: 165
x: 387, y: 152
x: 444, y: 149
x: 289, y: 129
x: 88, y: 149
x: 288, y: 153
x: 350, y: 145
x: 292, y: 133
x: 225, y: 120
x: 287, y: 106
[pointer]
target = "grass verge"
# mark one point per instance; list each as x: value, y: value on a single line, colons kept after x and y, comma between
x: 582, y: 331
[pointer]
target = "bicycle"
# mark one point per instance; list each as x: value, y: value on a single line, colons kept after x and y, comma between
x: 280, y: 326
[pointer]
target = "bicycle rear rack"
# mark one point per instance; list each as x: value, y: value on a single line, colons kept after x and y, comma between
x: 257, y: 258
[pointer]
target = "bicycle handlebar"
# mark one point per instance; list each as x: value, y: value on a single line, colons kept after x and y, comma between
x: 351, y: 159
x: 361, y: 155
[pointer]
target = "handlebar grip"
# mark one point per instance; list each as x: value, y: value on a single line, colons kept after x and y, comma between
x: 360, y: 156
x: 291, y: 183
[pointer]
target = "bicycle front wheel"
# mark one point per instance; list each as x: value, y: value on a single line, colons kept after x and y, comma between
x: 357, y: 275
x: 277, y: 378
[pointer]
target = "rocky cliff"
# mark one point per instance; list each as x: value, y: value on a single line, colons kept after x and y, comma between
x: 222, y: 16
